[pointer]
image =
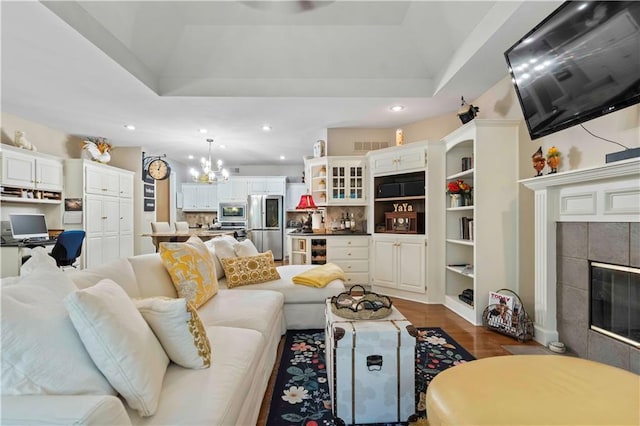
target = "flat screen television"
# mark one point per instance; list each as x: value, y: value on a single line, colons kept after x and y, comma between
x: 28, y: 226
x: 581, y: 62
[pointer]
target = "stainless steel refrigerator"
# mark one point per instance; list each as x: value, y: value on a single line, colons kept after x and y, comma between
x: 265, y: 222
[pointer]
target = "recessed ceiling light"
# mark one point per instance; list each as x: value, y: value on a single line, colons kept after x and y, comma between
x: 397, y: 108
x: 282, y: 157
x: 190, y: 157
x: 129, y: 127
x: 266, y: 127
x: 222, y: 146
x: 203, y: 131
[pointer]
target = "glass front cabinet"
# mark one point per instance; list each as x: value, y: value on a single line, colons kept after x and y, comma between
x: 347, y: 179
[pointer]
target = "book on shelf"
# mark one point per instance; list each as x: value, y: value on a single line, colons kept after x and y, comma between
x: 466, y: 228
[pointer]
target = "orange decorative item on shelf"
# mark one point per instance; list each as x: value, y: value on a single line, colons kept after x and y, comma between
x: 553, y: 159
x: 538, y: 161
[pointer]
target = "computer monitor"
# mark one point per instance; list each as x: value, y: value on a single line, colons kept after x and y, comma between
x: 24, y: 226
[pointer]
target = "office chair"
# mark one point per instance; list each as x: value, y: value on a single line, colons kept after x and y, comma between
x: 68, y: 247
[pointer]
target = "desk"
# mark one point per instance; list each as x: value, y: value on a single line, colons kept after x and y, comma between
x: 12, y: 254
x: 203, y: 234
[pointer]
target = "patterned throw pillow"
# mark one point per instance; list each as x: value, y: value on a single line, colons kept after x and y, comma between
x: 177, y: 325
x: 191, y: 269
x: 250, y: 269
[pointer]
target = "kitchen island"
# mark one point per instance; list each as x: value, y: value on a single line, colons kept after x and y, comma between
x: 203, y: 234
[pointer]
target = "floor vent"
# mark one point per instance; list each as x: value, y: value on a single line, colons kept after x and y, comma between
x: 369, y: 146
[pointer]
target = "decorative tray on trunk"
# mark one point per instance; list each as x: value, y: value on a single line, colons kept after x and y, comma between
x: 368, y: 306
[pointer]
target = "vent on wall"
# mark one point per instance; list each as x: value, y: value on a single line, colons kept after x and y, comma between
x: 234, y: 170
x: 369, y: 146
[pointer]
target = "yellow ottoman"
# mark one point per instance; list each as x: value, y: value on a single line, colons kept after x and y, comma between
x: 534, y: 390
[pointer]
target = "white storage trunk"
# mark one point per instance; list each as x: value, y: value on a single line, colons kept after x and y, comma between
x: 371, y: 368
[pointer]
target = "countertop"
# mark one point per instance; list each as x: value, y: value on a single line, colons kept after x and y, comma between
x: 325, y: 234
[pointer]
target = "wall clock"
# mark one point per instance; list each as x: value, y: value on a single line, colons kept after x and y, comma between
x: 158, y: 169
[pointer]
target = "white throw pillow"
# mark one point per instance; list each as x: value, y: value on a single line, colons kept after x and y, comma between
x: 41, y: 351
x: 120, y: 343
x: 221, y: 247
x: 245, y: 248
x: 178, y: 327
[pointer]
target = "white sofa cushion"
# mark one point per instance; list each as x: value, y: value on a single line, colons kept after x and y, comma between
x: 41, y: 351
x: 294, y: 293
x: 178, y: 327
x: 120, y: 343
x: 76, y: 410
x: 256, y: 310
x: 213, y: 396
x: 118, y: 270
x: 152, y: 277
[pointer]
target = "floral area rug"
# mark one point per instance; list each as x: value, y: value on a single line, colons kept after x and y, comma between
x: 301, y: 392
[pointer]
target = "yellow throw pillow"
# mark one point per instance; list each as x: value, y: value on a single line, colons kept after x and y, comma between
x: 191, y: 269
x: 250, y: 269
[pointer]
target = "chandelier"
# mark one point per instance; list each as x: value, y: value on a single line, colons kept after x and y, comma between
x: 208, y: 173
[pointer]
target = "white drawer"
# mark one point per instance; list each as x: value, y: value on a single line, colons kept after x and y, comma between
x: 353, y: 278
x: 352, y: 265
x: 346, y: 241
x: 347, y: 253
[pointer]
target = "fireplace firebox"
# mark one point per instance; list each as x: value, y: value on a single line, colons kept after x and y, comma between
x: 615, y: 302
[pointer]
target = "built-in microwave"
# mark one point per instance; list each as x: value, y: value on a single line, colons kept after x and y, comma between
x: 233, y: 211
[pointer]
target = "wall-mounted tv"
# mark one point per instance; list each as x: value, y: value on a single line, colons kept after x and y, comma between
x: 581, y: 62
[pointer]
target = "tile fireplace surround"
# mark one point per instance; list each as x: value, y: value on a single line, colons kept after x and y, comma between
x: 581, y: 215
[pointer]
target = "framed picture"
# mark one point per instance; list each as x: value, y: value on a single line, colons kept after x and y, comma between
x: 149, y: 204
x: 73, y: 204
x: 149, y: 191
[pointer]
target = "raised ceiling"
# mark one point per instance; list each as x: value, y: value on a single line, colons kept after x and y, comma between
x: 173, y: 67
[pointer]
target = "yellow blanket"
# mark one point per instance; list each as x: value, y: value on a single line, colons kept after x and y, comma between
x: 320, y: 276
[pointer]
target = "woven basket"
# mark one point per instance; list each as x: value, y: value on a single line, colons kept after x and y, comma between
x: 369, y: 306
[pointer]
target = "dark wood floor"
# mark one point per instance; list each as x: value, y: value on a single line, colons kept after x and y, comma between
x: 480, y: 342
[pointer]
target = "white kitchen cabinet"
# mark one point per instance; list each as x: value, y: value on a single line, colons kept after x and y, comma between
x: 347, y: 181
x: 294, y: 192
x: 337, y: 181
x: 484, y: 258
x: 398, y: 263
x: 32, y: 171
x: 199, y: 197
x: 351, y: 253
x: 316, y: 175
x: 101, y: 181
x: 398, y: 159
x: 235, y: 189
x: 266, y: 185
x: 108, y: 204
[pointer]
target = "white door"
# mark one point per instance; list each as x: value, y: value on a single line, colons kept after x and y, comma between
x: 126, y: 216
x: 110, y: 248
x: 276, y: 186
x: 111, y: 214
x: 93, y: 251
x: 384, y: 262
x: 126, y: 185
x: 411, y: 266
x: 411, y: 159
x: 383, y: 163
x: 94, y: 217
x: 126, y: 245
x: 93, y: 181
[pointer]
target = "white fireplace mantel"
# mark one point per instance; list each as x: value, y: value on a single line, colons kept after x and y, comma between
x: 608, y: 193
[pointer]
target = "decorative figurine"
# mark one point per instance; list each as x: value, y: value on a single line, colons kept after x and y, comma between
x: 96, y: 149
x: 538, y: 161
x: 553, y: 159
x: 22, y: 142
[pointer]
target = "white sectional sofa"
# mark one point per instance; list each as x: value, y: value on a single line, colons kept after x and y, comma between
x: 244, y: 326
